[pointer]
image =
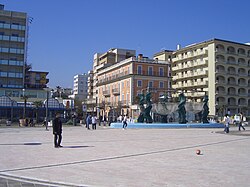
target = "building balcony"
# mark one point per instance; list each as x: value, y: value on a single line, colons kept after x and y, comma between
x: 220, y: 61
x: 242, y: 104
x: 231, y: 52
x: 202, y: 63
x: 191, y: 75
x: 242, y: 84
x: 189, y: 84
x: 243, y: 74
x: 232, y: 62
x: 243, y: 94
x: 106, y: 93
x: 200, y: 73
x: 217, y: 50
x: 220, y: 82
x: 243, y: 64
x: 231, y: 83
x: 175, y: 68
x: 201, y: 83
x: 195, y: 94
x: 220, y: 71
x: 12, y: 26
x: 231, y: 73
x: 220, y: 93
x: 124, y: 103
x: 151, y: 73
x: 191, y: 56
x: 116, y: 91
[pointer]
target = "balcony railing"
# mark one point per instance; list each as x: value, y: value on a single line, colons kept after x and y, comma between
x: 124, y: 103
x: 232, y: 62
x: 231, y: 83
x: 116, y: 91
x: 106, y: 93
x: 12, y: 26
x: 125, y: 73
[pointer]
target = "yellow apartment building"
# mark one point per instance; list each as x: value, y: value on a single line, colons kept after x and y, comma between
x: 219, y: 68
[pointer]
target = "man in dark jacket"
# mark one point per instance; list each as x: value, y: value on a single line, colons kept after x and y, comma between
x: 57, y: 130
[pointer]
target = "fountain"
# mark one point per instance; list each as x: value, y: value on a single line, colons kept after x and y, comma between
x: 182, y: 109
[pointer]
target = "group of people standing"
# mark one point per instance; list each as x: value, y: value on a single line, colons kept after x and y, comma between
x: 91, y: 120
x: 239, y: 122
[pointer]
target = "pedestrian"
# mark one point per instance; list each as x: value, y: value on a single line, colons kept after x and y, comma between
x: 100, y: 120
x: 120, y: 118
x: 94, y: 119
x: 104, y: 120
x: 241, y: 121
x: 124, y: 122
x: 57, y: 131
x: 26, y: 122
x: 88, y: 121
x: 31, y: 122
x: 226, y: 123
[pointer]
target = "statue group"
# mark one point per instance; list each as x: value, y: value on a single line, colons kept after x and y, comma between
x: 181, y: 109
x: 145, y: 111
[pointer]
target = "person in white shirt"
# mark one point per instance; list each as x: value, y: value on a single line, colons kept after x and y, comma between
x: 124, y: 122
x: 94, y: 120
x: 226, y: 123
x: 120, y: 118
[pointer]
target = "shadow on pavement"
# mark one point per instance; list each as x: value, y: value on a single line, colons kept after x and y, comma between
x: 76, y: 146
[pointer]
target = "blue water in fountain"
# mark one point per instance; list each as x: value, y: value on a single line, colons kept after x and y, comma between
x: 167, y: 125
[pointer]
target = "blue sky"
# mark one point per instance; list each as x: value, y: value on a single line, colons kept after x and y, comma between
x: 65, y: 34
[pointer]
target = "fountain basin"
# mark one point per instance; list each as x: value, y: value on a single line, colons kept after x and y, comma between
x: 167, y: 125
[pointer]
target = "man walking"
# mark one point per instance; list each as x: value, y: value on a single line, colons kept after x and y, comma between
x: 241, y: 121
x: 57, y: 131
x: 124, y: 122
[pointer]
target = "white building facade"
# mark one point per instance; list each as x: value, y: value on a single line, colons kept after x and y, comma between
x: 80, y: 89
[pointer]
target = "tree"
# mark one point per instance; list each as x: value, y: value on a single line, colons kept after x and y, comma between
x: 37, y: 105
x: 78, y: 105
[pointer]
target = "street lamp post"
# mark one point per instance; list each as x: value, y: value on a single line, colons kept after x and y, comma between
x: 47, y: 107
x: 25, y: 102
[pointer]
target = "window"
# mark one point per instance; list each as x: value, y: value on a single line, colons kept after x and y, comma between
x: 150, y: 70
x: 161, y: 84
x: 38, y: 77
x: 127, y: 99
x: 139, y: 70
x: 139, y: 83
x: 161, y: 71
x: 150, y: 84
x: 16, y: 35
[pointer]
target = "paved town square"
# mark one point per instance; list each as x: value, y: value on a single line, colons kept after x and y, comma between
x: 133, y: 157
